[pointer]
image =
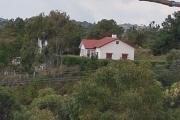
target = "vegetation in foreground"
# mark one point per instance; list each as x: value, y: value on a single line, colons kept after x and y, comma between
x: 121, y: 90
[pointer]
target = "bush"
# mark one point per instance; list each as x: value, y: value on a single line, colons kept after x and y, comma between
x: 84, y: 63
x: 173, y: 95
x: 124, y: 89
x: 49, y: 100
x: 44, y: 114
x: 8, y: 104
x: 173, y: 56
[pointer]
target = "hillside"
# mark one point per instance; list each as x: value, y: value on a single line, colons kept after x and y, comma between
x: 46, y: 79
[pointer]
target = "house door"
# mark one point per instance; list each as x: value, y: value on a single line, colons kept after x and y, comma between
x: 108, y: 55
x: 124, y: 56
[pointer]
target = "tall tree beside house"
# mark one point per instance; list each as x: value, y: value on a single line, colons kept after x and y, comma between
x: 105, y: 28
x: 136, y: 37
x: 143, y: 37
x: 64, y: 33
x: 169, y: 35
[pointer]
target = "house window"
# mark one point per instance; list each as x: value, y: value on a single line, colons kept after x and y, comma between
x: 109, y: 56
x: 117, y: 42
x: 124, y: 56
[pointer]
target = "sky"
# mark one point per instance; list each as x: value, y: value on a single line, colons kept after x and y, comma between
x: 123, y: 11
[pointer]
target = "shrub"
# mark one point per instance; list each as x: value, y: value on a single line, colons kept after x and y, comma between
x: 126, y: 89
x: 173, y: 95
x: 44, y: 114
x: 49, y: 100
x: 84, y: 63
x: 173, y: 55
x: 8, y: 104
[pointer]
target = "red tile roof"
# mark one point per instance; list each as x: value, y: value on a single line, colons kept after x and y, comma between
x: 92, y: 44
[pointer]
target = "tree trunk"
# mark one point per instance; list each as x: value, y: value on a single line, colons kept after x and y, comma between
x: 165, y: 2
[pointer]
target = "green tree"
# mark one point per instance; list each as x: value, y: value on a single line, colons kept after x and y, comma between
x: 8, y: 104
x: 49, y: 100
x: 169, y: 35
x: 4, y: 54
x: 173, y: 56
x: 27, y: 53
x: 105, y: 28
x: 173, y: 95
x: 126, y: 90
x: 170, y: 73
x: 44, y: 114
x: 143, y: 37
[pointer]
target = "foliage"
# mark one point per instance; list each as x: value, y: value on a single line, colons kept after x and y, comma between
x: 169, y: 73
x: 27, y: 56
x: 169, y: 35
x: 143, y: 37
x: 105, y: 28
x: 21, y: 37
x: 4, y: 54
x: 173, y: 95
x: 8, y: 104
x: 48, y: 100
x: 84, y: 63
x: 125, y: 89
x: 173, y: 56
x: 120, y: 90
x: 42, y: 115
x: 113, y: 90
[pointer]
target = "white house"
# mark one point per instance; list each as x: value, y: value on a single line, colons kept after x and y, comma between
x: 107, y: 48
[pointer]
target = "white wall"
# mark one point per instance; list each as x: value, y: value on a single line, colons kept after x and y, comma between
x: 83, y: 51
x: 117, y: 50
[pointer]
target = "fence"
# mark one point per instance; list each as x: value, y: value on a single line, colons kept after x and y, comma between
x: 65, y: 77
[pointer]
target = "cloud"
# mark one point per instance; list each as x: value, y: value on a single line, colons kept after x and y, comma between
x: 123, y: 11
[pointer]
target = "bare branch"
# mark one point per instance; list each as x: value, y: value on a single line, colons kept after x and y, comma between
x: 165, y: 2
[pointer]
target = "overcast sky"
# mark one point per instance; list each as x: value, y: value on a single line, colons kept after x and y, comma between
x: 123, y: 11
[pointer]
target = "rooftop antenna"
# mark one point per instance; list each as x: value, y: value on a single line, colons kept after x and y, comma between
x: 169, y: 3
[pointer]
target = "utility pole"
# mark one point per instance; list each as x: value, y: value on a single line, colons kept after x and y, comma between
x: 169, y: 3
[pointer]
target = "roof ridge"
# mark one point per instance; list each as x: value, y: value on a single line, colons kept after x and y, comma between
x: 97, y: 43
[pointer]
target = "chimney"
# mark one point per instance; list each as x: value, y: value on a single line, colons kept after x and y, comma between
x: 114, y: 36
